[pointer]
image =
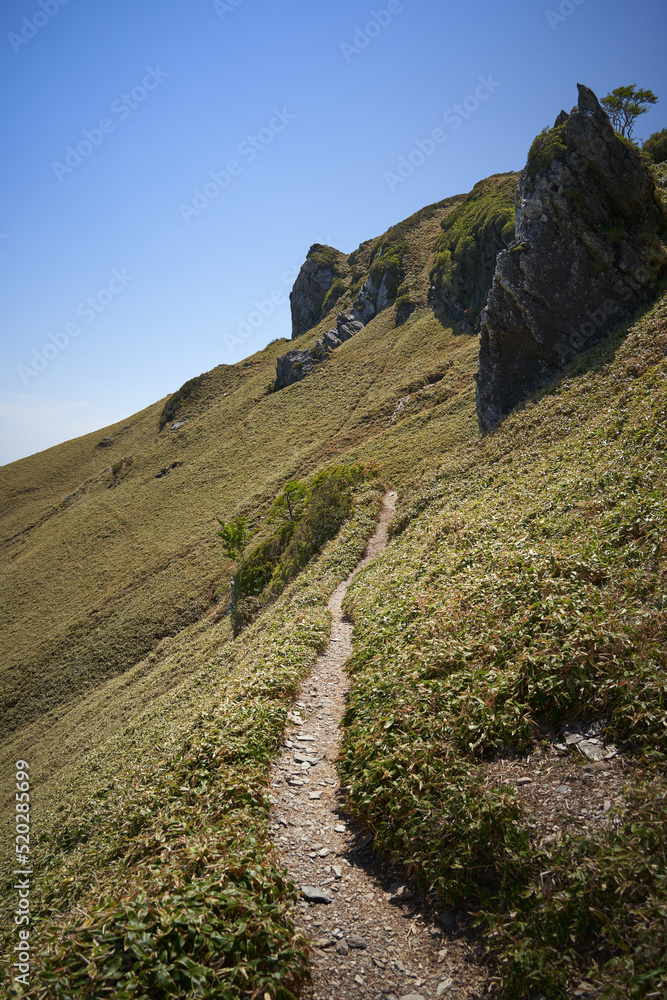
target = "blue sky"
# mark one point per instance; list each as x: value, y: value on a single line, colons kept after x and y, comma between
x: 287, y: 118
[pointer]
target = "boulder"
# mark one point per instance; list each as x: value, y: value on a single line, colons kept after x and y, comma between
x: 347, y: 325
x: 329, y: 340
x: 588, y: 251
x: 294, y: 366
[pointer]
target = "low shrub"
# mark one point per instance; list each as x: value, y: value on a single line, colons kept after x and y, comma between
x: 656, y: 146
x: 548, y: 146
x: 308, y: 515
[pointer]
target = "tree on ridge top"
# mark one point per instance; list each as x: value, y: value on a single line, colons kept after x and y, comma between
x: 625, y: 104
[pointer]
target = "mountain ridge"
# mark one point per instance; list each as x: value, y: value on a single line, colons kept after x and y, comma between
x: 523, y: 585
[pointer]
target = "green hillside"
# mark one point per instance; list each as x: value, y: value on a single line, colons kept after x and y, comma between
x: 123, y: 562
x: 523, y: 591
x: 526, y: 588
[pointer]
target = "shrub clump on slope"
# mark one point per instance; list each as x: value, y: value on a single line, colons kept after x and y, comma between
x: 165, y: 883
x: 308, y: 515
x: 528, y: 586
x: 656, y: 146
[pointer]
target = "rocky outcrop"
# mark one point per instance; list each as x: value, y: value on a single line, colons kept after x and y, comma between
x: 386, y: 273
x: 296, y: 365
x: 372, y: 300
x: 588, y: 250
x: 473, y: 235
x: 347, y: 325
x: 317, y: 287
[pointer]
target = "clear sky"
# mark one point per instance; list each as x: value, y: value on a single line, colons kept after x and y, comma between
x: 168, y: 163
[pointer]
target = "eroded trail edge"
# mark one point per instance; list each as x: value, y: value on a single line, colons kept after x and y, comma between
x: 369, y: 935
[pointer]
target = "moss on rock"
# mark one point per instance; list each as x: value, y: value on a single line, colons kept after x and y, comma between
x: 473, y: 235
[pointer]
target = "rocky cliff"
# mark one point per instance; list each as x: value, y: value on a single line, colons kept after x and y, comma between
x: 317, y: 288
x: 472, y: 237
x: 391, y: 271
x: 588, y: 250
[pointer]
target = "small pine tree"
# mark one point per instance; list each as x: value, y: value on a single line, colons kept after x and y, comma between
x: 288, y: 505
x: 625, y: 104
x: 234, y: 537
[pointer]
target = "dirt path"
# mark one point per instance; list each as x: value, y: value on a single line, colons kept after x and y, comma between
x: 371, y: 937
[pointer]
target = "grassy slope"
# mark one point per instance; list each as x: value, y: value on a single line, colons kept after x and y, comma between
x: 118, y: 646
x: 120, y: 568
x: 527, y: 585
x: 155, y: 867
x: 123, y: 562
x: 92, y: 590
x: 115, y: 642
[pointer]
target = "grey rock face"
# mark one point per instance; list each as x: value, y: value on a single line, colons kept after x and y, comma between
x: 587, y: 252
x: 347, y: 325
x: 473, y: 235
x: 366, y: 306
x: 329, y: 340
x: 322, y: 265
x: 294, y: 366
x: 382, y: 300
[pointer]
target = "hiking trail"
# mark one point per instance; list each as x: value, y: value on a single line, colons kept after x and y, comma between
x: 370, y: 934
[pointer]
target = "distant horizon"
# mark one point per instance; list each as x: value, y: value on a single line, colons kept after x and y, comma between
x: 171, y: 169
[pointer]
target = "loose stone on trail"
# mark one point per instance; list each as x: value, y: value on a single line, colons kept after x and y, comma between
x: 315, y: 895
